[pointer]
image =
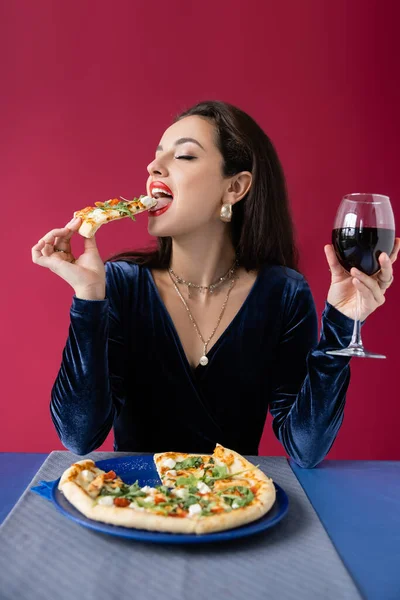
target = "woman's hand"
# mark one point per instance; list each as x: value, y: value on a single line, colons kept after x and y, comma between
x: 85, y: 274
x: 342, y: 293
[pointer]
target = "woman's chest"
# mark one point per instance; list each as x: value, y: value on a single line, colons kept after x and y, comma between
x: 201, y: 321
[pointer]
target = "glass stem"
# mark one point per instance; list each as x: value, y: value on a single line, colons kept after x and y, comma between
x: 356, y: 338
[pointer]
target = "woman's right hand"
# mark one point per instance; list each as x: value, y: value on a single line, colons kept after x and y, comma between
x: 85, y: 274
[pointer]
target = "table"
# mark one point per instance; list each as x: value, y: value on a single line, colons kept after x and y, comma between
x: 358, y: 503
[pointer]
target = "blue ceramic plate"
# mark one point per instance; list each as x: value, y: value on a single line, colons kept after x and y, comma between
x: 141, y: 468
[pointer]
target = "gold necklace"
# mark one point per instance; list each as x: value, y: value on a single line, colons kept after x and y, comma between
x: 206, y: 288
x: 203, y: 359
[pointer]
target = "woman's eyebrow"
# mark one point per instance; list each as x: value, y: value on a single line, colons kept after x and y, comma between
x: 182, y: 141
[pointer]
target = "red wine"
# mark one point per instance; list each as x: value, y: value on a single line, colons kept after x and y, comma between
x: 360, y: 248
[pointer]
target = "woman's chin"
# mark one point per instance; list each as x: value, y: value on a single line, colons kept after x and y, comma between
x: 157, y: 228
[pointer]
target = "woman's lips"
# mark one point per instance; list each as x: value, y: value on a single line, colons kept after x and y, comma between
x: 160, y: 211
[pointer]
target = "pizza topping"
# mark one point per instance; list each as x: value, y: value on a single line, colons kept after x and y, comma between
x: 162, y: 489
x: 97, y: 215
x: 123, y: 490
x: 171, y: 472
x: 219, y: 472
x: 96, y: 485
x: 148, y: 490
x: 170, y: 463
x: 178, y: 512
x: 238, y: 497
x: 148, y: 499
x: 105, y: 500
x: 191, y: 480
x: 110, y: 476
x: 203, y: 488
x: 87, y: 475
x: 193, y: 462
x: 194, y: 509
x: 147, y: 201
x: 221, y: 453
x: 123, y: 502
x: 136, y: 507
x: 181, y: 493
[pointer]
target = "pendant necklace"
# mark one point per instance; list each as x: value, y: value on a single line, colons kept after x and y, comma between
x: 203, y: 359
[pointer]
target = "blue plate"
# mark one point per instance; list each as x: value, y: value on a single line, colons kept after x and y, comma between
x: 141, y: 468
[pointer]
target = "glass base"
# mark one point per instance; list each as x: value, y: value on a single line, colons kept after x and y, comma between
x: 355, y: 351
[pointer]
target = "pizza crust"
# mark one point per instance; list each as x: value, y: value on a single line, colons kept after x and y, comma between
x: 132, y: 518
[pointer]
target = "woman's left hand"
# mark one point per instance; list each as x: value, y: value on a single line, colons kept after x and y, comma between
x: 342, y: 293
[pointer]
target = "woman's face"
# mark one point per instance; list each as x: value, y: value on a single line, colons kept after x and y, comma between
x: 190, y: 165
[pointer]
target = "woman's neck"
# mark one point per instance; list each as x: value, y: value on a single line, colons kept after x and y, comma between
x: 200, y: 259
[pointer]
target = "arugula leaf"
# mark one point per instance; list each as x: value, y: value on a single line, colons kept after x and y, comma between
x: 122, y: 208
x: 144, y: 504
x: 246, y: 495
x: 220, y: 472
x: 124, y: 491
x: 193, y: 462
x: 189, y: 501
x: 191, y: 480
x: 164, y: 490
x: 117, y: 492
x: 229, y: 475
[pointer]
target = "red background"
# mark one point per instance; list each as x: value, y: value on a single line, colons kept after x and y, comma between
x: 88, y: 89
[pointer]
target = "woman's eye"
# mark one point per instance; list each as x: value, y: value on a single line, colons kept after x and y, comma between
x: 186, y: 157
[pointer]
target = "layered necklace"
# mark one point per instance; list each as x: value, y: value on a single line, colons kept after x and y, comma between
x: 229, y: 275
x: 205, y: 288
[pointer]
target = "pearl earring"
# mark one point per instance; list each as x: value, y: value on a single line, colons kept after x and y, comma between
x: 226, y: 213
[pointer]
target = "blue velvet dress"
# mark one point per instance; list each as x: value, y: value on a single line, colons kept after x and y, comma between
x: 123, y: 366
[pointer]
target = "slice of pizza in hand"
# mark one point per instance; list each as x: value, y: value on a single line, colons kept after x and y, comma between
x: 114, y: 209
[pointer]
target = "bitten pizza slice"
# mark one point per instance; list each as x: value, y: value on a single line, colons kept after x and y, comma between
x: 114, y: 209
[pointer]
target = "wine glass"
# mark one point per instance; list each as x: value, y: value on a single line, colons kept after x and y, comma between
x: 363, y: 229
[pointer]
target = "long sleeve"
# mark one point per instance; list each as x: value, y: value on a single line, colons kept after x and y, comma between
x: 309, y: 386
x: 89, y: 388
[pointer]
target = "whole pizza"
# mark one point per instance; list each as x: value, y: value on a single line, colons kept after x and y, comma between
x: 199, y: 493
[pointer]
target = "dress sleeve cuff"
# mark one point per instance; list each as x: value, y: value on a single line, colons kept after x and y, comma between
x: 89, y: 308
x: 337, y: 318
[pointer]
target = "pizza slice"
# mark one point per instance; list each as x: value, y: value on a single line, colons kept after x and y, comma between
x: 173, y: 465
x: 223, y: 470
x: 105, y: 497
x: 114, y: 209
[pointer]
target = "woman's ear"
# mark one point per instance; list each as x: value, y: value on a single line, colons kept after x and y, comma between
x: 238, y: 187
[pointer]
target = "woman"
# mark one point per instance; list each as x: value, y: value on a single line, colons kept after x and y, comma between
x: 191, y: 344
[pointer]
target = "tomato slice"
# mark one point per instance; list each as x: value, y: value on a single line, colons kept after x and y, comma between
x: 121, y: 502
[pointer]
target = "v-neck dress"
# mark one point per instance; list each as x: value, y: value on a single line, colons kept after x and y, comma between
x: 124, y: 367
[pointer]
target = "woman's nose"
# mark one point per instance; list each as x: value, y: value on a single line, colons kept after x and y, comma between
x: 156, y: 168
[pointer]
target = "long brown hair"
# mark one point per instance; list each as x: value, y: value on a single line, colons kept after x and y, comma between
x: 261, y: 227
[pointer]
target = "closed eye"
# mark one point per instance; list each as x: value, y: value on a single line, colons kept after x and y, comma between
x: 186, y: 157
